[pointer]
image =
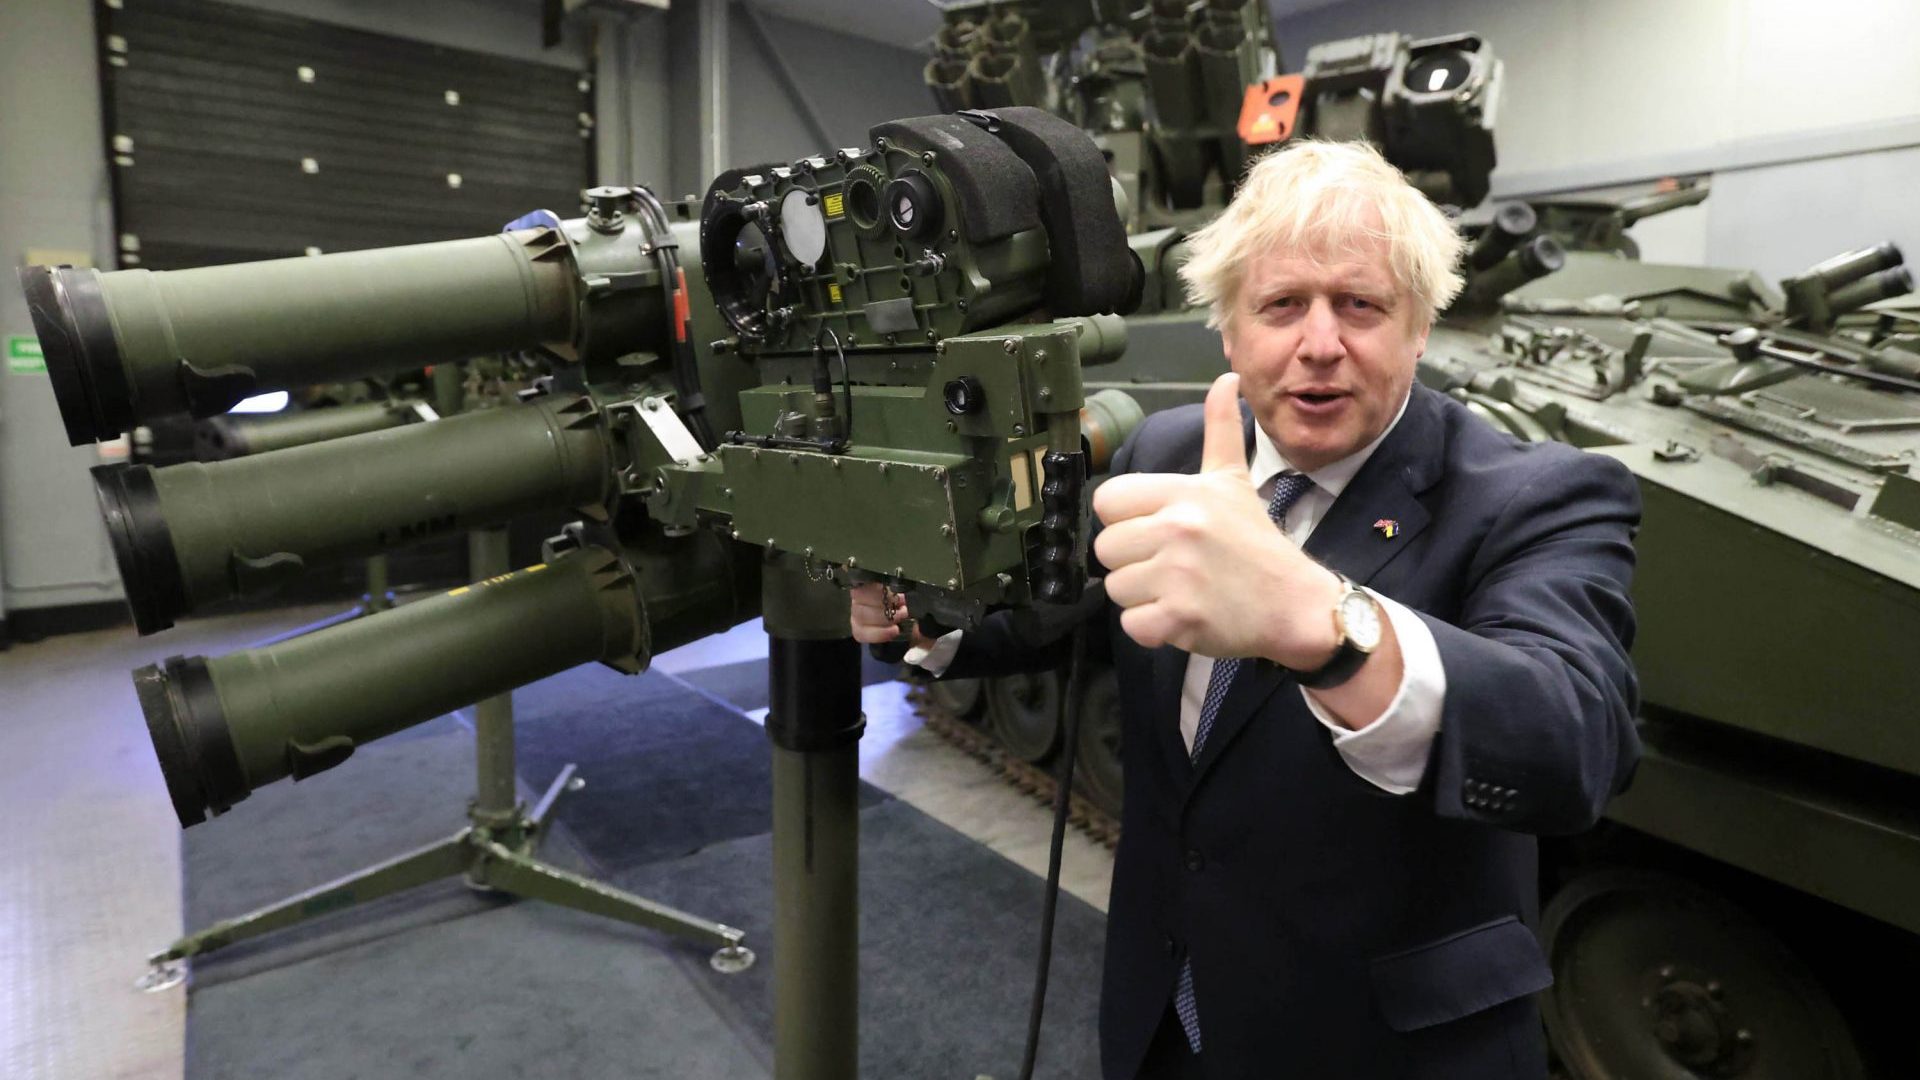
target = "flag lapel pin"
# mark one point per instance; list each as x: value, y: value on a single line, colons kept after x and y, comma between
x: 1387, y: 527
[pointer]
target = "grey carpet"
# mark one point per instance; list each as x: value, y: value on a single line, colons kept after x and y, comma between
x: 948, y: 931
x: 446, y: 983
x: 526, y: 991
x: 667, y: 771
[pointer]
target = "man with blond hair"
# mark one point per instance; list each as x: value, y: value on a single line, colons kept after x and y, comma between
x: 1367, y: 649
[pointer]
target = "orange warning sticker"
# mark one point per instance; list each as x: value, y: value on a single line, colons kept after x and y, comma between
x: 1268, y: 112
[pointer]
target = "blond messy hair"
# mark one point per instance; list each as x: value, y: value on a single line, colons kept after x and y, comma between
x: 1317, y: 198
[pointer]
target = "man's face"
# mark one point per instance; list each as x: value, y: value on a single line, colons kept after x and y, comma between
x: 1325, y: 349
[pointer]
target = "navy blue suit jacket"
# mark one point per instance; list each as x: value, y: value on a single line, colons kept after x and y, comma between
x: 1336, y: 930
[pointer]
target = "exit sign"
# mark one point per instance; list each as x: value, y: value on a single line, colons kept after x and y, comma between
x: 23, y: 355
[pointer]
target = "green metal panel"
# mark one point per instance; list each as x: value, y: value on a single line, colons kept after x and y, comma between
x: 1762, y: 608
x: 1856, y: 844
x: 890, y: 517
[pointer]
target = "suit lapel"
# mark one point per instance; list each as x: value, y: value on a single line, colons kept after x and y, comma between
x: 1169, y: 676
x: 1386, y: 487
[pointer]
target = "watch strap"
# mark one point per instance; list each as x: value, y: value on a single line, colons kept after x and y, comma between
x: 1346, y: 660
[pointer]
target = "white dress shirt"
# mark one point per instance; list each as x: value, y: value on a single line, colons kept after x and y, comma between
x: 1389, y: 753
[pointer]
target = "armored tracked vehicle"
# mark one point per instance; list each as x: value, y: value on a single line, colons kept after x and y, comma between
x: 1718, y: 924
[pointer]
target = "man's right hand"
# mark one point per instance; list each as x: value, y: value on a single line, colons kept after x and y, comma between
x: 871, y: 624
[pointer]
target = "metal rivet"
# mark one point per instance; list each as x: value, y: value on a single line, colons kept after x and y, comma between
x: 1011, y: 345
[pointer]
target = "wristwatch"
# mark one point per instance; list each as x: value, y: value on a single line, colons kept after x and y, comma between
x: 1358, y: 620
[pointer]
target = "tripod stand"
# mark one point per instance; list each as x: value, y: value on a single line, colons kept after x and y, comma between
x: 495, y: 852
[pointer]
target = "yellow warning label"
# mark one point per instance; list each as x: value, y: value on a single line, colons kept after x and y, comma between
x: 495, y: 580
x: 833, y: 292
x: 836, y: 204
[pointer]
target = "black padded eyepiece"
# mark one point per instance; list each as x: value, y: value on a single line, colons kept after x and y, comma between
x: 1090, y: 272
x: 190, y: 738
x: 142, y: 545
x: 994, y: 188
x: 83, y: 358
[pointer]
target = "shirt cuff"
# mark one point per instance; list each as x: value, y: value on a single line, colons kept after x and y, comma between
x: 934, y: 661
x: 1391, y: 753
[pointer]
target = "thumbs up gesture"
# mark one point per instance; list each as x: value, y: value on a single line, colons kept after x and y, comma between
x: 1196, y: 563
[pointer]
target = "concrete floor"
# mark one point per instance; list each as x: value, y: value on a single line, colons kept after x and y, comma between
x: 90, y: 874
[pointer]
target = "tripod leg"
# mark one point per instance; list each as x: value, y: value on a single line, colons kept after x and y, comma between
x: 440, y: 859
x: 542, y: 810
x: 521, y: 875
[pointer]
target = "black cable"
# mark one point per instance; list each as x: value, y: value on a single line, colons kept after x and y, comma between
x: 1062, y: 799
x: 823, y: 381
x: 686, y: 368
x: 846, y: 380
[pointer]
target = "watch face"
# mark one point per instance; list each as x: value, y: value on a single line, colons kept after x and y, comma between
x: 1360, y: 618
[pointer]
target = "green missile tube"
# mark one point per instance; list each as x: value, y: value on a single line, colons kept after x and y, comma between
x: 1884, y: 285
x: 239, y: 435
x: 125, y: 346
x: 225, y: 726
x: 191, y: 534
x: 1536, y: 258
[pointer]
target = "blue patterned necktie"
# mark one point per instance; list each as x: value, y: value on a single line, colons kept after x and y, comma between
x: 1287, y: 490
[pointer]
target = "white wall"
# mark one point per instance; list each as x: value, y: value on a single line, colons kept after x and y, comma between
x: 1807, y: 114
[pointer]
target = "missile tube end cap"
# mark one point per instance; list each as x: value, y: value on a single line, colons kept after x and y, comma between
x: 83, y: 360
x: 142, y: 545
x: 191, y: 738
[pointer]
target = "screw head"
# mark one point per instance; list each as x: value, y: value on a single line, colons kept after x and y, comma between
x: 1010, y: 345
